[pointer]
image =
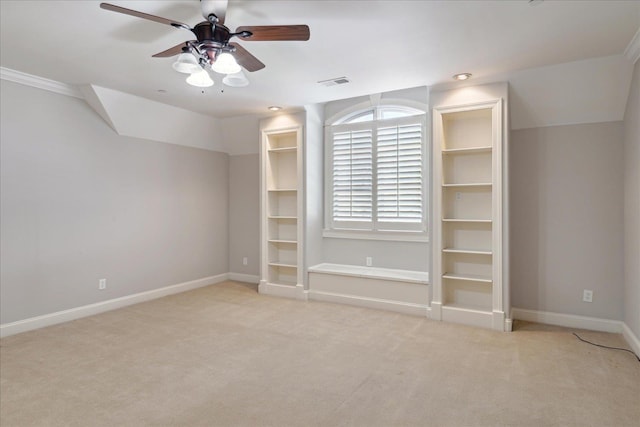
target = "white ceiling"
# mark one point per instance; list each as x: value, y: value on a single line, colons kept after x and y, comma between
x: 379, y: 45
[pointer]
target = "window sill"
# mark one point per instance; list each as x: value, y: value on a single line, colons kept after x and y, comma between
x: 397, y: 236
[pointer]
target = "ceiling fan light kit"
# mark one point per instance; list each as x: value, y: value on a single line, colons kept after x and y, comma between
x: 212, y: 47
x: 236, y: 80
x: 200, y: 79
x: 186, y: 63
x: 225, y: 63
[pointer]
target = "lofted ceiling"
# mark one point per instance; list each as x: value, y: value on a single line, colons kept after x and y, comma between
x: 378, y: 45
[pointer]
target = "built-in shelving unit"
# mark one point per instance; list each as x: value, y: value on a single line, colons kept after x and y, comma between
x: 467, y: 228
x: 281, y: 257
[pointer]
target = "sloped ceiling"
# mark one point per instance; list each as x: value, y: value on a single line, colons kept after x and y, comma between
x: 566, y: 62
x: 380, y: 45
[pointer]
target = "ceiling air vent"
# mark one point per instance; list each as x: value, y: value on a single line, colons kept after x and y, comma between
x: 334, y: 81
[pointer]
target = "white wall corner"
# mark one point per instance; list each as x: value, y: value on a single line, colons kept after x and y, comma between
x: 161, y: 122
x: 94, y: 102
x: 39, y: 82
x: 632, y: 52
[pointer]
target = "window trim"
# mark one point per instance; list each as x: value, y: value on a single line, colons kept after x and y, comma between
x: 333, y: 124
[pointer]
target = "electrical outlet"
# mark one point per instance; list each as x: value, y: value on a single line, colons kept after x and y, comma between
x: 369, y: 261
x: 458, y: 196
x: 587, y: 295
x: 245, y: 261
x: 102, y: 284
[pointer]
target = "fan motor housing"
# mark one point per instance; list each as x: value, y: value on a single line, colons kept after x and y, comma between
x: 212, y: 34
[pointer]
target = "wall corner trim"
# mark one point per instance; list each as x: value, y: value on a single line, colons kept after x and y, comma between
x: 632, y: 52
x: 7, y: 329
x: 40, y: 82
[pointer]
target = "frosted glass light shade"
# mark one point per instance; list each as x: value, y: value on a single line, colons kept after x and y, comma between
x: 236, y: 79
x: 200, y: 79
x: 225, y: 64
x: 186, y: 63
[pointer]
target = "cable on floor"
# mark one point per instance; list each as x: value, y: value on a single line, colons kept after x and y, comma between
x: 605, y: 346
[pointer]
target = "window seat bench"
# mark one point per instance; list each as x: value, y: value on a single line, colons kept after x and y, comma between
x: 404, y: 291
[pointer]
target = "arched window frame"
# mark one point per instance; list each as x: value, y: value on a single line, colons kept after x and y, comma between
x: 349, y: 120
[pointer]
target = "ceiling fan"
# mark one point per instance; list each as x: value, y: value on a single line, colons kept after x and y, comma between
x: 212, y: 46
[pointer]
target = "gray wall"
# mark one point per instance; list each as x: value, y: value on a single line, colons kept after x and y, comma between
x: 632, y: 206
x: 80, y: 203
x: 567, y: 219
x: 244, y: 213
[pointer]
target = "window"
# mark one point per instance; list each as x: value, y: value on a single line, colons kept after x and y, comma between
x: 376, y: 175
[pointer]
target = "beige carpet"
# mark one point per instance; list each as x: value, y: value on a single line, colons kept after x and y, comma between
x: 226, y: 356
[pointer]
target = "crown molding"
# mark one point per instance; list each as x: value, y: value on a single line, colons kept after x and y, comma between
x: 40, y: 82
x: 632, y: 52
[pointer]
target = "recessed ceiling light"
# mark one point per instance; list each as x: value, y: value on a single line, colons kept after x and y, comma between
x: 461, y: 76
x: 275, y: 108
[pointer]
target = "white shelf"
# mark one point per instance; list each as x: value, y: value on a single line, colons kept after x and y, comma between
x: 284, y: 283
x: 467, y: 277
x: 486, y: 221
x: 467, y: 308
x: 292, y: 242
x: 283, y: 190
x: 282, y: 217
x: 475, y: 184
x: 282, y: 264
x: 483, y: 149
x: 282, y: 150
x: 466, y: 251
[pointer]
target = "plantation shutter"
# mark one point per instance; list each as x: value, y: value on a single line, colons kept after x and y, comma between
x: 353, y: 176
x: 399, y: 161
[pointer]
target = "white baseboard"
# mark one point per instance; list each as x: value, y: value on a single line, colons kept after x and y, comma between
x: 37, y: 322
x: 631, y: 338
x: 568, y: 320
x: 246, y: 278
x: 580, y: 322
x: 380, y: 304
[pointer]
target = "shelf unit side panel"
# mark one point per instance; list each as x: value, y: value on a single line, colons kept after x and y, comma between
x: 468, y: 264
x: 467, y: 129
x: 282, y: 140
x: 471, y: 295
x: 283, y: 203
x: 497, y: 206
x: 467, y: 168
x: 467, y: 203
x: 472, y: 236
x: 282, y: 170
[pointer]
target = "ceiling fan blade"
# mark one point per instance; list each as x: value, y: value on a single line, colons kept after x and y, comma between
x: 244, y: 58
x: 217, y: 7
x: 143, y: 15
x: 276, y: 32
x: 173, y: 51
